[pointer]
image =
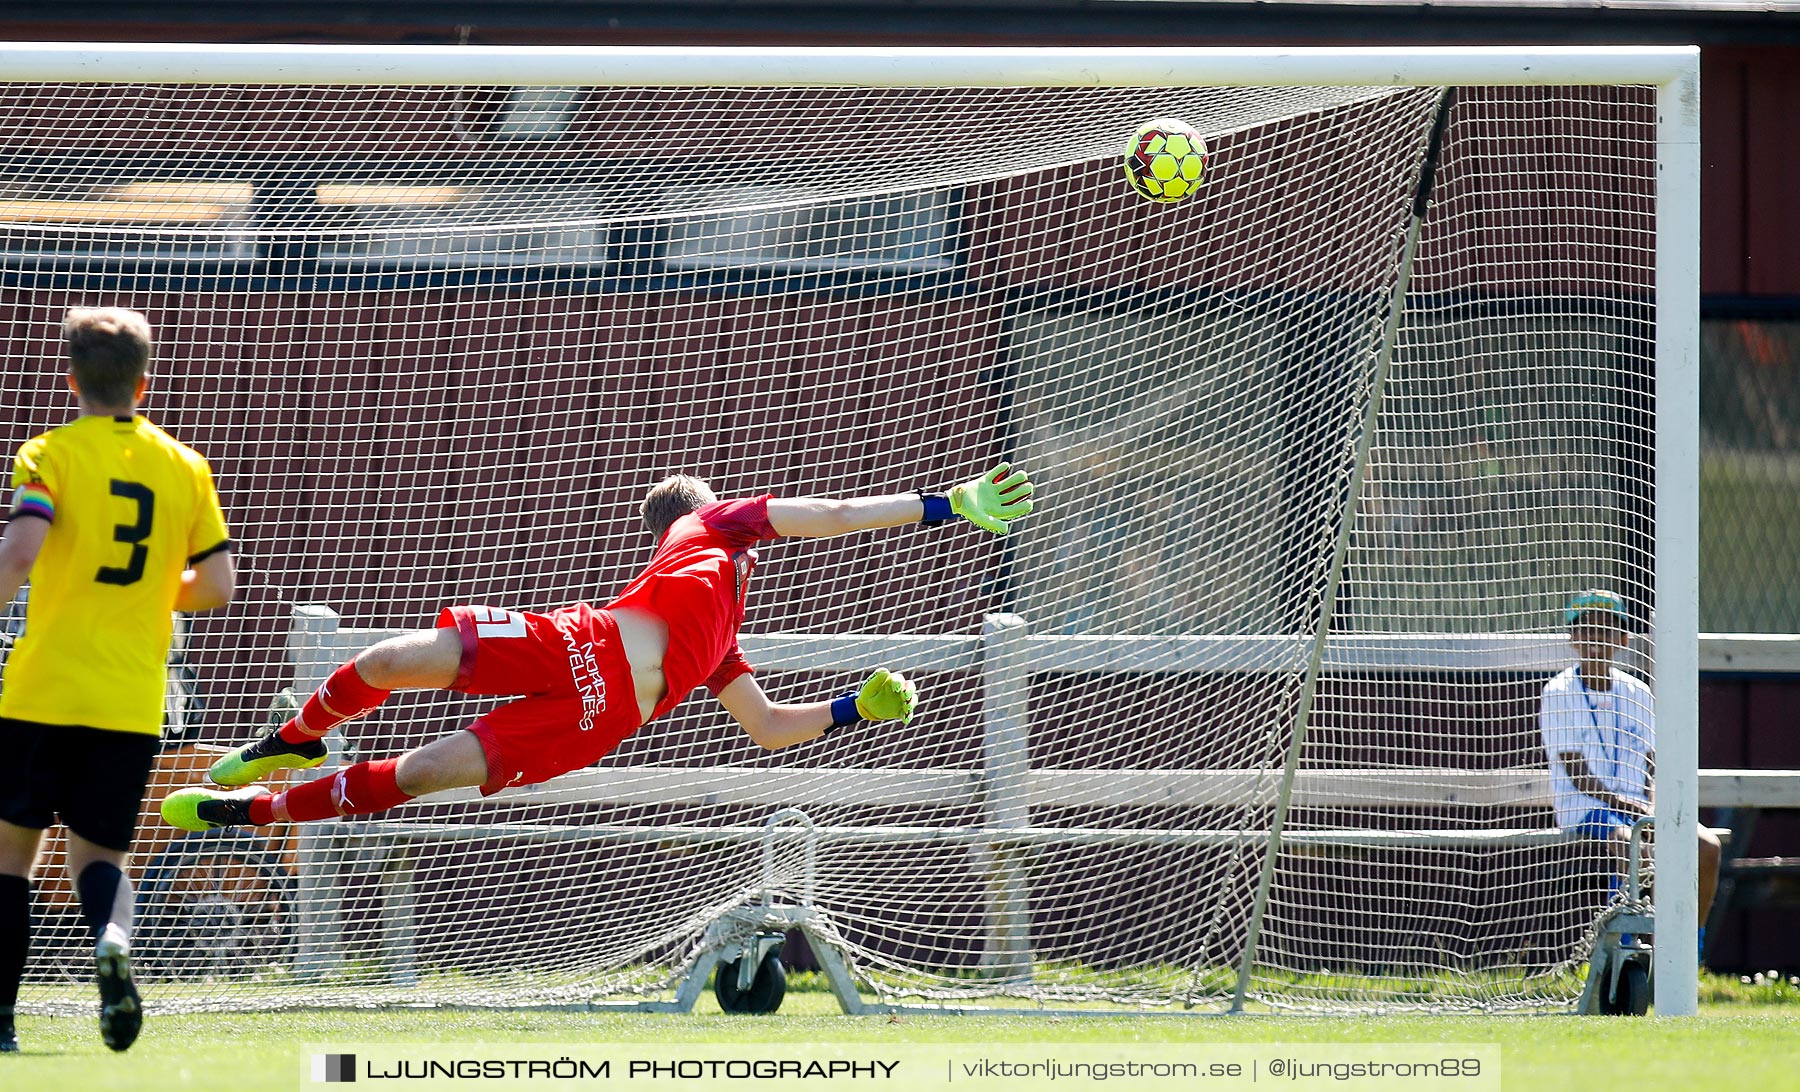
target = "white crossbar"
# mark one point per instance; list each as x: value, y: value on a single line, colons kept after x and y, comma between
x: 836, y: 66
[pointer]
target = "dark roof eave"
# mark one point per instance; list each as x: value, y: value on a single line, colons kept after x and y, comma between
x: 967, y: 21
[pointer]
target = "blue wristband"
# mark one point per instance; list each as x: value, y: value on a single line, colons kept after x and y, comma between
x: 843, y: 711
x: 937, y: 508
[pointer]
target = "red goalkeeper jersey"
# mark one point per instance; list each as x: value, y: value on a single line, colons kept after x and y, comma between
x: 696, y: 584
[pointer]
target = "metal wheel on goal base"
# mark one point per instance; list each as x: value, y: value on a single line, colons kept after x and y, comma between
x: 1632, y: 995
x: 765, y: 992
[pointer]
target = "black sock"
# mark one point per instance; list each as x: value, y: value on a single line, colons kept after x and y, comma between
x: 15, y: 935
x: 98, y: 888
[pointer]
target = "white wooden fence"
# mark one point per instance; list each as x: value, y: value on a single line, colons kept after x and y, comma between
x: 1005, y: 655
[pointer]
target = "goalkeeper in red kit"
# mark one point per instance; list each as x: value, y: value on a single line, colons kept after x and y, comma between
x: 585, y: 677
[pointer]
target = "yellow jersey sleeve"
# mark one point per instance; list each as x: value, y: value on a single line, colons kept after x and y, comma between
x: 34, y: 478
x: 207, y: 536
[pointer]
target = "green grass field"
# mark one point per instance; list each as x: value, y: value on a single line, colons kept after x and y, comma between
x: 1743, y: 1044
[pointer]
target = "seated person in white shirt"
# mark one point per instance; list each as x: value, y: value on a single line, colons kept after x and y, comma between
x: 1599, y: 730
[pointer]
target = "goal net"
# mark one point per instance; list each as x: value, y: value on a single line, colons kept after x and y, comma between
x: 1245, y: 713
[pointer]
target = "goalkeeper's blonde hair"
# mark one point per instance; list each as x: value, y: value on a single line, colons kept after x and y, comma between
x: 673, y: 497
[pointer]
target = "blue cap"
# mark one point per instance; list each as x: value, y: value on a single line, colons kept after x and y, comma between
x: 1596, y: 599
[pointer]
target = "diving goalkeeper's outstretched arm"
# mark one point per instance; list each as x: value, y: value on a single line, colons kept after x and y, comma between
x: 990, y: 502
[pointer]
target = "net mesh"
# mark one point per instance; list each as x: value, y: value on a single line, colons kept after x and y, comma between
x: 438, y: 342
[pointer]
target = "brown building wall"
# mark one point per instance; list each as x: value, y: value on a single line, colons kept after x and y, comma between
x: 1746, y: 722
x: 1750, y: 174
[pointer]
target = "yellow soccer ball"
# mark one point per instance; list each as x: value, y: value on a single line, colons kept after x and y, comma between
x: 1166, y: 160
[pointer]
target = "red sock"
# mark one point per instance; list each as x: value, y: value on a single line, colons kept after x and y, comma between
x: 345, y: 696
x: 354, y: 790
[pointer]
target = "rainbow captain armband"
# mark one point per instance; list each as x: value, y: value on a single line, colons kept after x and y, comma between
x: 34, y: 499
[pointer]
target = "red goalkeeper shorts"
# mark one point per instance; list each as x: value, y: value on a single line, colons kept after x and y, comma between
x: 578, y: 698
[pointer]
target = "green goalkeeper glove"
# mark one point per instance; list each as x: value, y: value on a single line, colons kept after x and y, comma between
x: 888, y: 695
x: 993, y: 500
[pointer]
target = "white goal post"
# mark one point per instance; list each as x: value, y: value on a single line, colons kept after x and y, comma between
x: 1241, y: 719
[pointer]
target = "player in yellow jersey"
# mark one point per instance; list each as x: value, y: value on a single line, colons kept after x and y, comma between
x: 116, y: 525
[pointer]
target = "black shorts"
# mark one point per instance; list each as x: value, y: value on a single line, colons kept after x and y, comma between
x: 90, y: 778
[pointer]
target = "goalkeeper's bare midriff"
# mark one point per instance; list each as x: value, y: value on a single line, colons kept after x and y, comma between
x: 645, y: 638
